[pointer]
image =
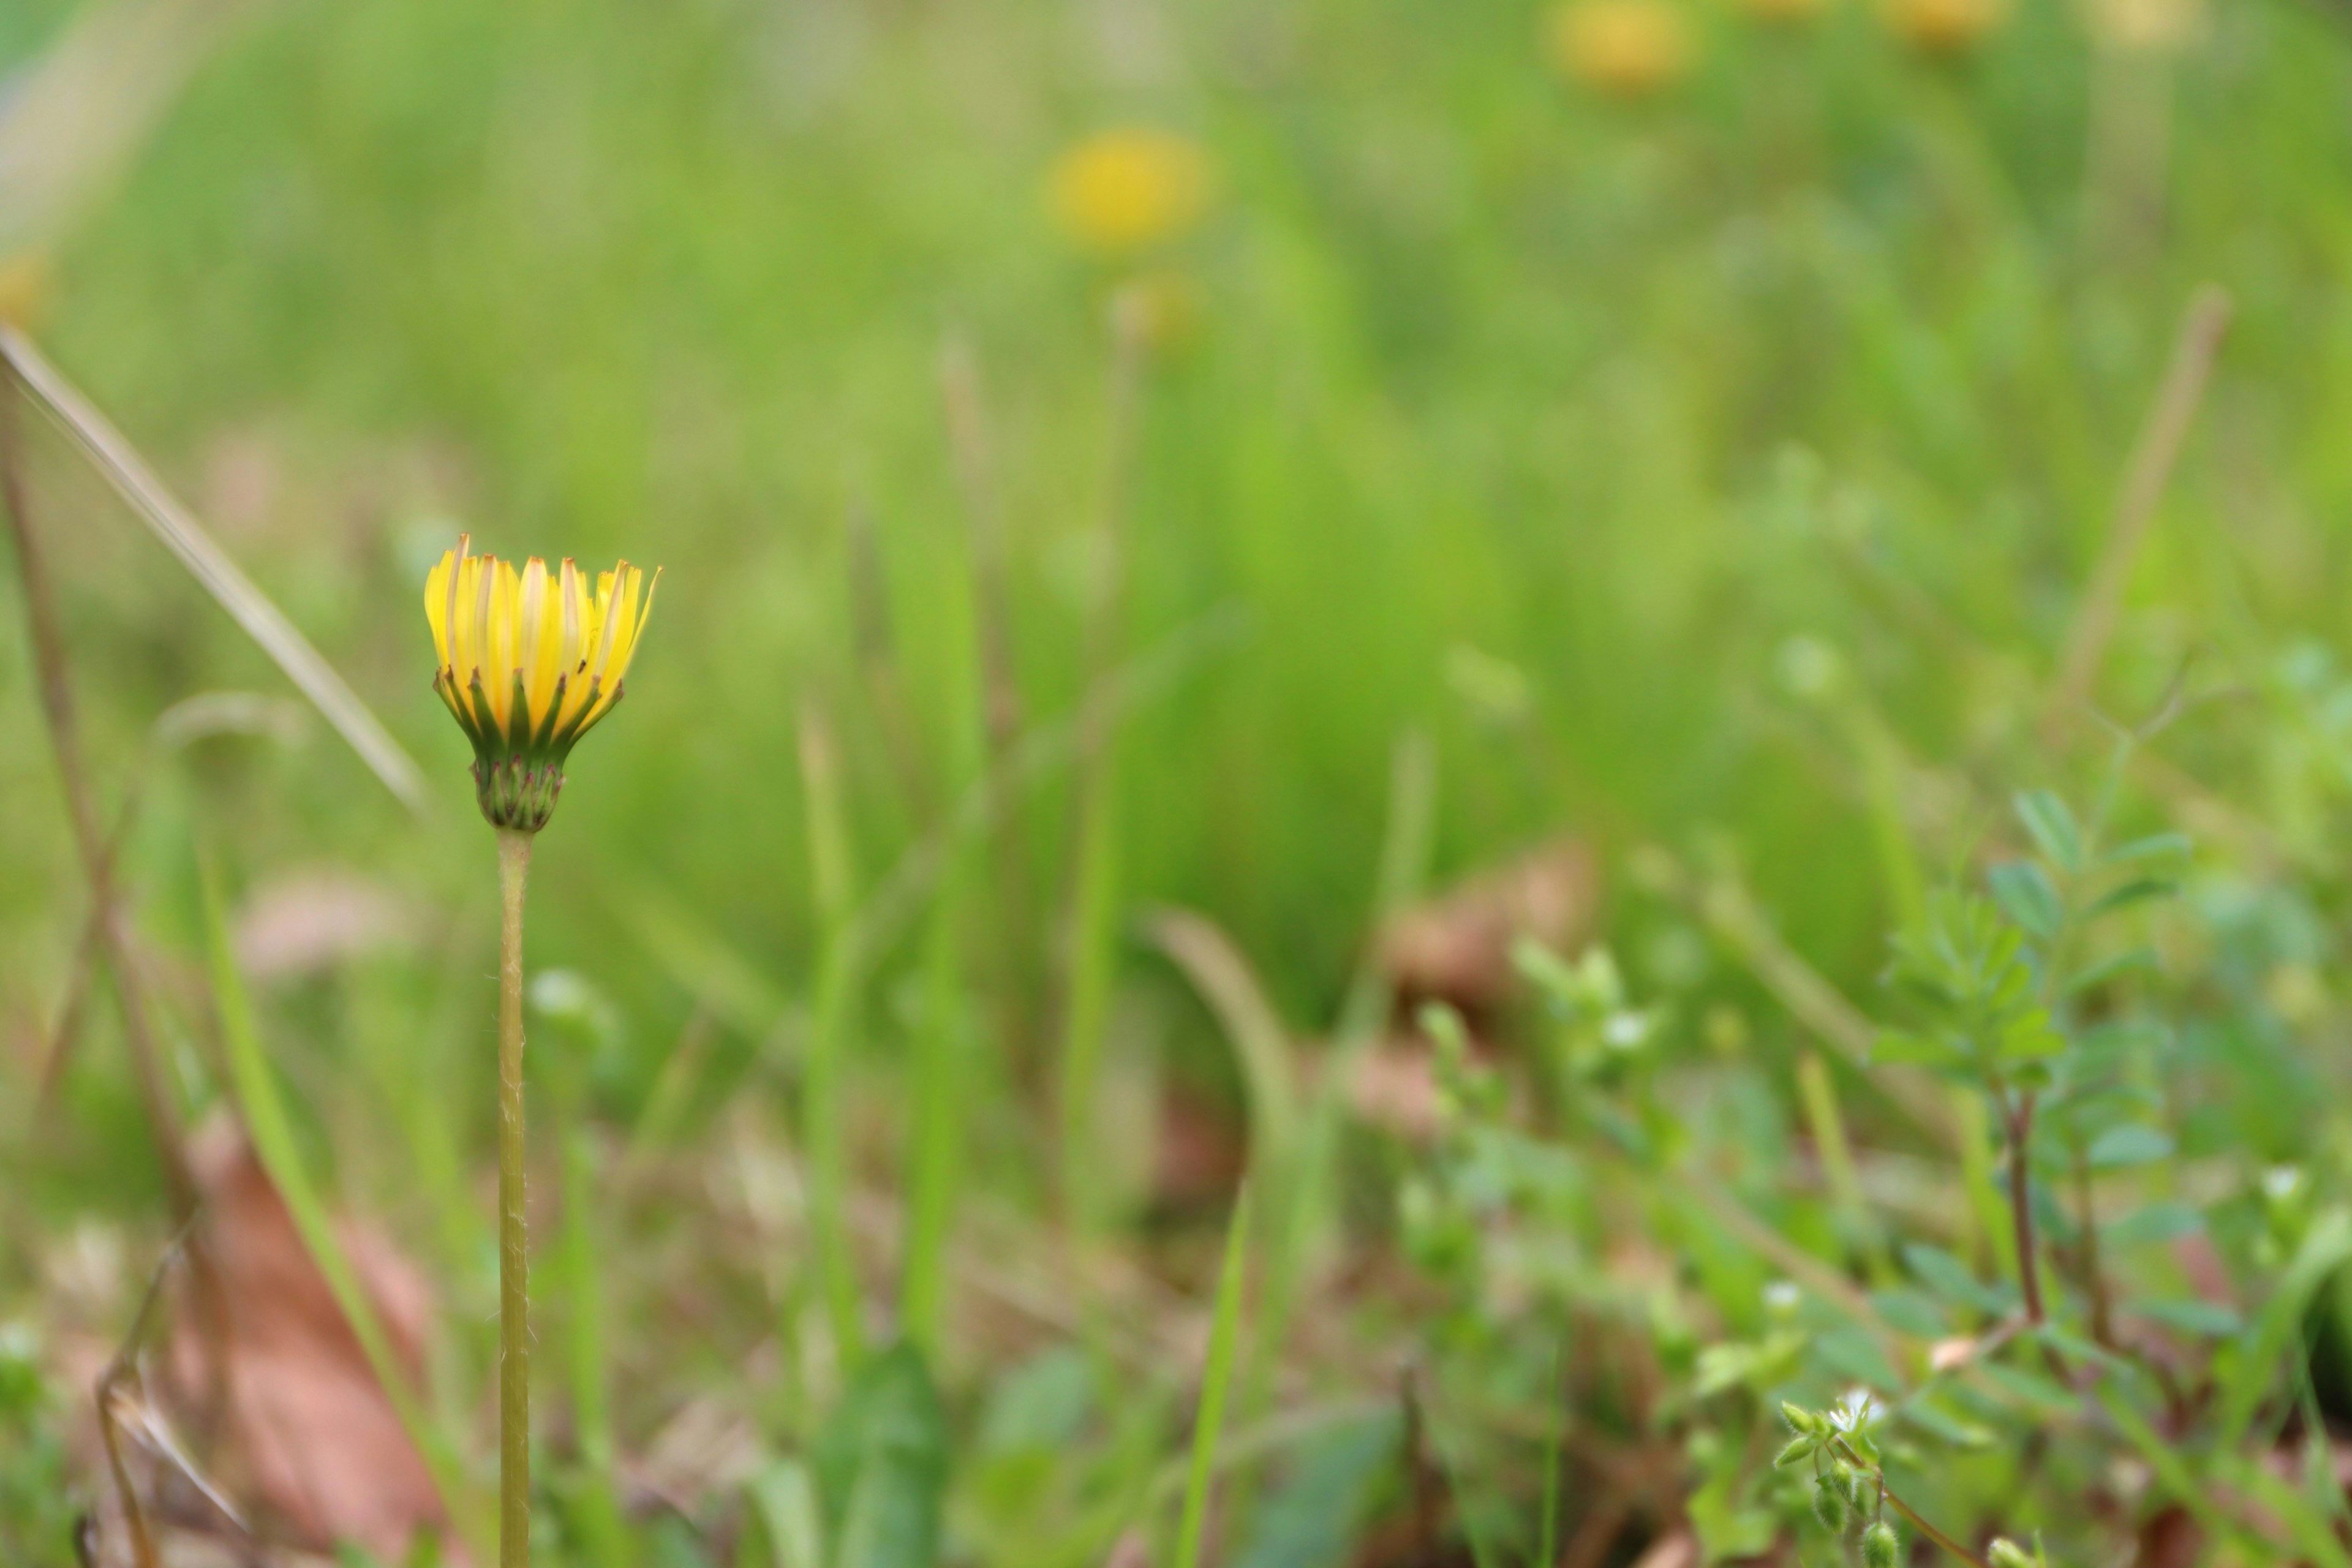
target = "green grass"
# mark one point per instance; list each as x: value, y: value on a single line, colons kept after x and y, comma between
x: 1719, y: 475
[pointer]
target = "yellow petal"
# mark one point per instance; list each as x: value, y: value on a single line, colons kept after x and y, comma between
x: 436, y: 606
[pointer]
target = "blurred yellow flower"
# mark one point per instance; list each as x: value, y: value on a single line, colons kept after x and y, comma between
x: 1625, y: 48
x: 529, y: 663
x: 24, y: 288
x: 1945, y: 27
x: 1128, y: 190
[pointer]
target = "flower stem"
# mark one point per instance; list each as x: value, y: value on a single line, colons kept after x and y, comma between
x: 514, y: 1256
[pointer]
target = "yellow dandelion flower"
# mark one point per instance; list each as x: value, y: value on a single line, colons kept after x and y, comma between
x: 1945, y: 27
x: 1123, y: 190
x: 530, y: 661
x: 1625, y: 48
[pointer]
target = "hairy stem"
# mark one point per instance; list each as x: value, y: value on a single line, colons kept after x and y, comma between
x: 2021, y: 1207
x: 514, y: 1256
x: 1924, y: 1528
x: 52, y: 673
x: 2095, y: 1285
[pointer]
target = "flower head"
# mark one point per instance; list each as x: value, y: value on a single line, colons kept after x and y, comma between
x: 1625, y: 48
x: 1120, y: 191
x: 528, y: 661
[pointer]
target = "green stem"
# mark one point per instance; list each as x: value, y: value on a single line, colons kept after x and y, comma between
x: 1930, y: 1530
x: 514, y: 1255
x: 1886, y: 1495
x: 2021, y: 1206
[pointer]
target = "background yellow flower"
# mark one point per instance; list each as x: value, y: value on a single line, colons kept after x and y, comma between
x: 1130, y: 189
x: 1625, y: 48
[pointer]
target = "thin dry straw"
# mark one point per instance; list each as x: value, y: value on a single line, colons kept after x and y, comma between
x: 119, y: 464
x: 2152, y: 461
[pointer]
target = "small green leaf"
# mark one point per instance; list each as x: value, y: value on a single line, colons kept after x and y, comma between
x: 2130, y: 893
x: 1948, y: 1278
x: 2157, y: 1223
x: 1312, y: 1518
x: 2130, y: 961
x: 783, y: 1498
x: 2155, y: 847
x: 2031, y: 1038
x: 2031, y: 1389
x: 1853, y: 1355
x: 881, y: 1465
x: 1912, y: 1312
x: 2074, y: 1347
x: 2025, y: 895
x: 1932, y: 1416
x: 2131, y: 1145
x: 2210, y: 1319
x: 2052, y: 827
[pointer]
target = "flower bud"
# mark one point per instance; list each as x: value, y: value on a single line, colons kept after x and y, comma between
x: 1799, y: 1447
x: 1829, y: 1505
x: 1881, y: 1547
x: 2006, y: 1553
x: 528, y: 662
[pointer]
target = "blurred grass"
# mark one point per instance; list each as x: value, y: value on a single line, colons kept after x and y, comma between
x: 1479, y: 364
x: 1689, y: 470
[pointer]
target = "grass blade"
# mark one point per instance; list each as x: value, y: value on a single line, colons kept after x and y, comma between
x: 1216, y: 1378
x: 600, y: 1528
x: 829, y: 1025
x: 118, y: 463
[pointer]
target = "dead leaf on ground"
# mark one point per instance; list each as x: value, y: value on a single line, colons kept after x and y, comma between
x: 1677, y: 1549
x: 1201, y: 1147
x: 1456, y: 948
x: 1393, y: 1086
x: 315, y: 920
x: 306, y: 1432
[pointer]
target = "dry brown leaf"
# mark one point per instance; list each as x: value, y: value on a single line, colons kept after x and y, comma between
x: 1678, y: 1550
x: 1456, y: 948
x: 1200, y: 1151
x: 1393, y: 1086
x: 307, y: 1427
x: 315, y: 920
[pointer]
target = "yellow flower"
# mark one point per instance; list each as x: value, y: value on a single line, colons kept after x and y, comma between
x: 1625, y: 48
x: 24, y: 288
x: 528, y: 662
x: 1123, y: 190
x: 1945, y: 27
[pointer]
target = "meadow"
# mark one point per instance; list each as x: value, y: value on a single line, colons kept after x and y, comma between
x: 1413, y: 784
